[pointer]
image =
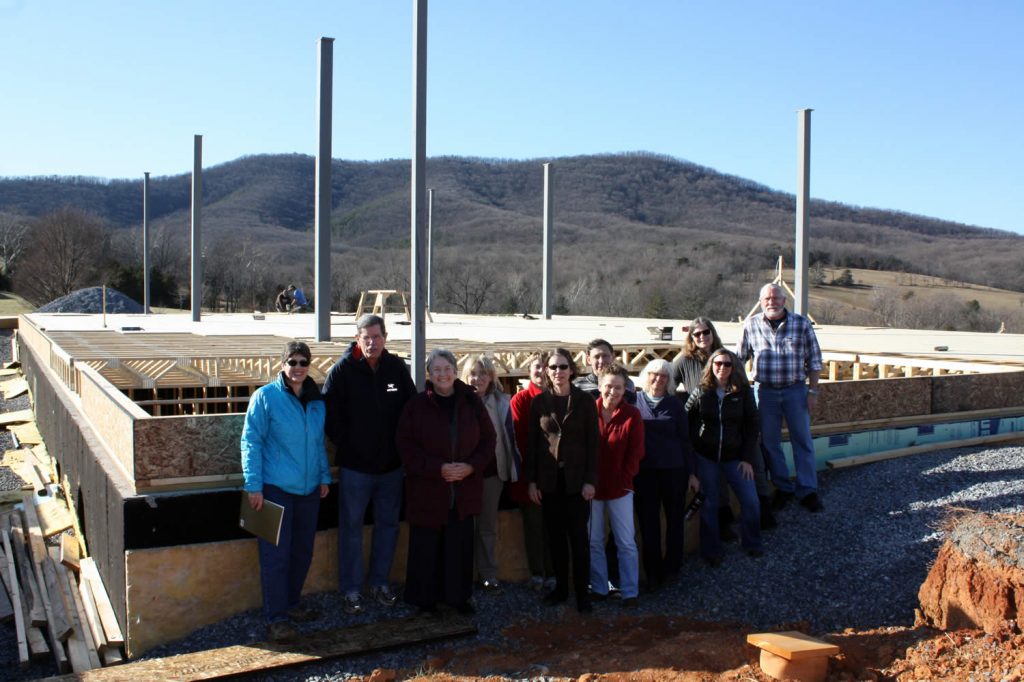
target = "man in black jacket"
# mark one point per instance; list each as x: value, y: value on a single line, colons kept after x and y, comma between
x: 366, y: 390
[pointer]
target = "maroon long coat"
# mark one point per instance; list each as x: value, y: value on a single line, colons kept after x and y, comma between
x: 424, y: 443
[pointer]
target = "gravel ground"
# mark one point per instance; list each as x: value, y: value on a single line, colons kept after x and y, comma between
x: 858, y: 564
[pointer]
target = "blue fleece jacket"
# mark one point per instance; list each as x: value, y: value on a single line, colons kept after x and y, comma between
x: 282, y: 441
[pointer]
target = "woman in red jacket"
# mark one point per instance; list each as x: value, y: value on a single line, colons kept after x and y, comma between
x: 621, y: 449
x: 446, y: 440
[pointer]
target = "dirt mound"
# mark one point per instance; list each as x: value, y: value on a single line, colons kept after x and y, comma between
x: 90, y: 300
x: 977, y: 580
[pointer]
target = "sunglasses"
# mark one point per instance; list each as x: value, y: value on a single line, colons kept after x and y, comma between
x: 300, y: 363
x: 722, y: 364
x: 700, y: 333
x: 554, y: 368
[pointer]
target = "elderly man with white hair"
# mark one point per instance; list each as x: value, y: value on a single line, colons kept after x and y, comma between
x: 787, y: 363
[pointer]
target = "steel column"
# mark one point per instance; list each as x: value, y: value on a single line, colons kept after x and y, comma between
x: 418, y: 214
x: 803, y: 199
x: 145, y: 243
x: 197, y: 251
x: 322, y: 188
x: 549, y: 289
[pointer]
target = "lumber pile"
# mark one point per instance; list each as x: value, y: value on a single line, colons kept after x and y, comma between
x: 50, y: 589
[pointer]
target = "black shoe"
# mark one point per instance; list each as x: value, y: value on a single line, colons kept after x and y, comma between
x: 630, y: 603
x: 812, y: 503
x: 768, y: 521
x: 781, y: 499
x: 594, y: 596
x: 555, y: 597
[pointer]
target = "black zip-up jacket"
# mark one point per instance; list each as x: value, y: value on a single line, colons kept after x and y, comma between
x: 734, y: 426
x: 363, y: 409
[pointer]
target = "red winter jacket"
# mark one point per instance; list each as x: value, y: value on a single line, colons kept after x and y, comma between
x: 519, y: 490
x: 621, y: 449
x: 424, y: 443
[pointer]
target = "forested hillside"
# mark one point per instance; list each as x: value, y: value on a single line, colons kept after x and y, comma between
x: 636, y: 234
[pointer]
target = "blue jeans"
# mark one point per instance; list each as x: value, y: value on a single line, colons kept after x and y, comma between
x: 709, y: 471
x: 283, y: 567
x: 356, y: 490
x: 773, y: 404
x: 620, y: 515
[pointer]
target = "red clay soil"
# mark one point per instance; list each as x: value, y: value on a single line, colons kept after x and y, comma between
x: 975, y: 582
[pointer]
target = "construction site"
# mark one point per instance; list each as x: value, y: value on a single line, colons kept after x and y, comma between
x: 143, y: 414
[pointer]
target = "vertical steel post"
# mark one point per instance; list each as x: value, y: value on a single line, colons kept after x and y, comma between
x: 549, y: 289
x: 145, y: 243
x: 418, y: 214
x: 803, y: 199
x: 197, y: 252
x: 430, y: 249
x: 322, y: 188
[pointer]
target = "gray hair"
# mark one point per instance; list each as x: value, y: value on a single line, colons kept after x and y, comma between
x: 442, y: 354
x: 658, y: 366
x: 370, y: 320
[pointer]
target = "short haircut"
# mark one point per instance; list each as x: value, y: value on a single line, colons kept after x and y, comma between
x: 690, y: 349
x: 597, y: 343
x: 573, y: 371
x: 442, y: 354
x: 370, y: 320
x: 737, y: 378
x: 773, y: 286
x: 613, y: 370
x: 295, y: 348
x: 659, y: 366
x: 487, y: 365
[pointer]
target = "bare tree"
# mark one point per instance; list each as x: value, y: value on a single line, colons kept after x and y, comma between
x: 65, y: 250
x: 13, y: 230
x: 466, y: 287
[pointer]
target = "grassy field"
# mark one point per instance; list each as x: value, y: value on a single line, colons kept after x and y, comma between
x: 12, y: 304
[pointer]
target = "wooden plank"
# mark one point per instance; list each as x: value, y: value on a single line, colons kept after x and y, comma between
x: 80, y: 640
x: 26, y: 433
x: 60, y: 604
x: 792, y: 645
x: 6, y: 606
x: 70, y: 551
x: 92, y: 617
x: 112, y: 656
x: 16, y: 417
x: 53, y: 517
x: 37, y: 646
x: 19, y: 610
x: 312, y: 647
x: 14, y: 388
x: 39, y: 554
x: 27, y: 578
x: 111, y: 630
x: 844, y: 462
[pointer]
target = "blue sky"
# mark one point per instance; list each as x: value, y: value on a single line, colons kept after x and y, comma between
x: 918, y: 105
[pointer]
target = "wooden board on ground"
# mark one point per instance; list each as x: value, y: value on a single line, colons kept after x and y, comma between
x: 9, y: 372
x: 12, y: 584
x: 792, y: 645
x: 70, y: 551
x: 14, y: 388
x: 111, y: 630
x: 316, y: 646
x: 26, y: 433
x: 6, y: 606
x: 16, y: 417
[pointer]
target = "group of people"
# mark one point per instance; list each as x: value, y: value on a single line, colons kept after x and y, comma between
x: 582, y: 456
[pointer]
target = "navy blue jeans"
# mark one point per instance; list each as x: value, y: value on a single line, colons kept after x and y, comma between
x: 709, y: 472
x: 283, y: 568
x: 356, y: 490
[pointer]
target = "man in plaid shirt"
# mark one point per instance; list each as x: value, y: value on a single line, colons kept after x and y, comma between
x: 786, y: 354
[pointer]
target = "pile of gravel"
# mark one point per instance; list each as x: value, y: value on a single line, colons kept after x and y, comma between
x: 90, y: 300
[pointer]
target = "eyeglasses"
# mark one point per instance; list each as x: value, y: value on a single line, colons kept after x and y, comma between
x: 300, y: 363
x: 555, y: 368
x: 722, y: 364
x: 700, y: 332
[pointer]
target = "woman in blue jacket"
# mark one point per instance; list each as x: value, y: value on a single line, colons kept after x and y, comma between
x: 284, y: 461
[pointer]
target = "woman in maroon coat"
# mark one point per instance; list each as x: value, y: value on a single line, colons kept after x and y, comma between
x: 446, y: 440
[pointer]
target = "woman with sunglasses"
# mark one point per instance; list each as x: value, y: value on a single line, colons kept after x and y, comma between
x: 687, y: 368
x: 561, y: 469
x: 724, y: 432
x: 284, y: 461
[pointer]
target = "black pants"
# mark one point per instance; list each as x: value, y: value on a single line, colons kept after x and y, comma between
x: 658, y: 489
x: 440, y: 563
x: 565, y: 519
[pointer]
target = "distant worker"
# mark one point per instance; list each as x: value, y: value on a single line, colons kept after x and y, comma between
x: 366, y: 390
x: 300, y: 303
x: 283, y: 302
x: 786, y: 355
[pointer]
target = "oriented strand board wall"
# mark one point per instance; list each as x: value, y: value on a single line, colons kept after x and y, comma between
x: 111, y: 415
x: 176, y: 447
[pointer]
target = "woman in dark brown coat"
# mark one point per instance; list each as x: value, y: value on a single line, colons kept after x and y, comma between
x: 446, y: 441
x: 561, y: 469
